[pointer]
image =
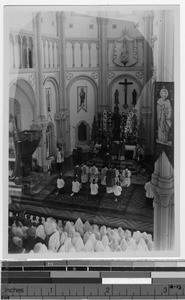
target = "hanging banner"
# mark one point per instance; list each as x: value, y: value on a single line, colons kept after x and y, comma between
x: 164, y: 119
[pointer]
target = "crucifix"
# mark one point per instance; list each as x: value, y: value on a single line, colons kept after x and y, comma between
x: 125, y: 83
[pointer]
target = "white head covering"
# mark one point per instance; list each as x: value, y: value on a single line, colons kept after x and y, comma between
x: 123, y: 244
x: 103, y: 231
x: 40, y: 248
x: 105, y: 241
x: 113, y: 244
x: 131, y: 244
x: 79, y: 226
x: 86, y: 237
x: 142, y: 245
x: 63, y: 238
x: 68, y: 245
x: 49, y: 227
x: 54, y: 242
x: 79, y: 246
x: 99, y: 247
x: 86, y: 226
x: 137, y: 236
x: 40, y: 232
x: 107, y: 249
x: 17, y: 241
x: 89, y: 247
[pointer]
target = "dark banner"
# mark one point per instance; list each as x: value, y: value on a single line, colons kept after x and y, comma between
x: 164, y: 119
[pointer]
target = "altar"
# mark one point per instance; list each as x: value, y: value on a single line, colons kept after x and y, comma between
x: 131, y: 148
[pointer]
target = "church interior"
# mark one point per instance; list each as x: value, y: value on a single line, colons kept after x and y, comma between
x: 91, y: 129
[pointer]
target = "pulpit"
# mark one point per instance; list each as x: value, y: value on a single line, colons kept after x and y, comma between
x: 26, y: 143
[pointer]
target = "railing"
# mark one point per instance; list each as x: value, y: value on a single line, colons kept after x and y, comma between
x: 21, y: 50
x: 82, y: 53
x: 50, y: 52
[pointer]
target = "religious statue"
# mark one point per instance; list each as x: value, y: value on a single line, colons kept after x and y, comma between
x: 82, y: 97
x: 164, y: 115
x: 48, y: 100
x: 116, y: 97
x: 124, y: 54
x: 134, y: 97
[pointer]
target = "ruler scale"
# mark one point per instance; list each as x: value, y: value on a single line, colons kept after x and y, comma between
x: 64, y: 280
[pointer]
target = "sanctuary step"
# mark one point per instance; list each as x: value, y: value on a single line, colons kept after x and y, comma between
x: 119, y: 164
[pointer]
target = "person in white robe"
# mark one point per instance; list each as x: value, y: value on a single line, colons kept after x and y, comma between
x: 117, y: 191
x: 126, y: 174
x: 75, y: 187
x: 94, y: 188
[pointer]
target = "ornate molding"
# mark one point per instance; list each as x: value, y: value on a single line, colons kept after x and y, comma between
x: 110, y: 75
x: 139, y: 75
x: 31, y: 79
x: 57, y: 76
x: 69, y: 76
x: 60, y: 115
x: 94, y: 75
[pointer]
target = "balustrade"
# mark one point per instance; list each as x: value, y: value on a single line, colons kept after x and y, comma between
x: 21, y: 50
x: 88, y: 53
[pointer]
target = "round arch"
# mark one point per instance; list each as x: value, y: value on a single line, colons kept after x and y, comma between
x: 26, y: 89
x: 119, y: 77
x: 89, y: 79
x: 55, y: 84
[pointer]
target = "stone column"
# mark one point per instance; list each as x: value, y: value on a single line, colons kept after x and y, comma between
x: 53, y: 53
x: 146, y: 109
x: 81, y: 52
x: 63, y: 125
x: 49, y: 54
x: 27, y: 52
x: 21, y: 58
x: 73, y: 54
x: 163, y: 177
x: 13, y: 52
x: 163, y: 187
x: 39, y: 89
x: 44, y: 52
x: 102, y: 60
x: 89, y: 46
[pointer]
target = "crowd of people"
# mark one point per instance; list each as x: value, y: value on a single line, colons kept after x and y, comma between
x: 113, y: 179
x: 34, y: 234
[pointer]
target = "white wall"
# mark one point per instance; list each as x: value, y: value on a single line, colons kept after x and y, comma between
x: 19, y: 18
x: 80, y: 26
x: 49, y: 23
